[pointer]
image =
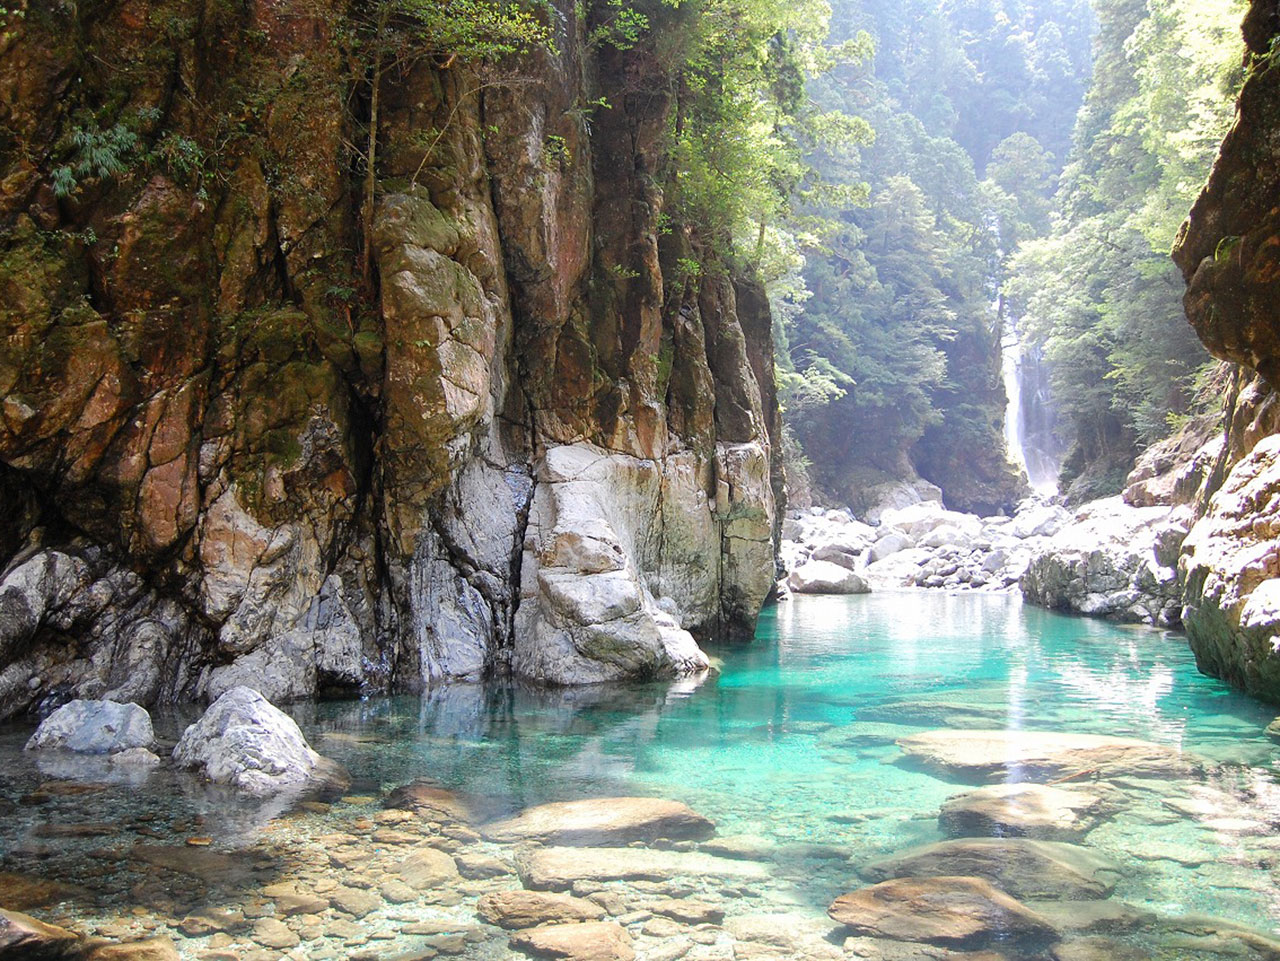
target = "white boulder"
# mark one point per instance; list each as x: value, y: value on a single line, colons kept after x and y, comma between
x: 94, y: 727
x: 1113, y: 561
x: 823, y: 577
x: 244, y: 741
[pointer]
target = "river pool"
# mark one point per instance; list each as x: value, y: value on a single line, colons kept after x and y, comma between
x: 791, y: 748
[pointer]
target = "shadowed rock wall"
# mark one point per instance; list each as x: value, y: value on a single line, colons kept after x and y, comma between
x: 230, y: 453
x: 1229, y: 253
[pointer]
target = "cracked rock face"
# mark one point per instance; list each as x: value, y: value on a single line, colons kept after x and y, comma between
x: 1231, y: 565
x: 1228, y: 254
x: 238, y: 450
x: 1115, y: 561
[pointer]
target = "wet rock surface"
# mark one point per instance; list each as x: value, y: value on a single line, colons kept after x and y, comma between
x: 95, y: 727
x: 1026, y: 869
x: 244, y: 741
x: 604, y: 822
x: 1042, y: 755
x: 952, y: 911
x: 1023, y: 810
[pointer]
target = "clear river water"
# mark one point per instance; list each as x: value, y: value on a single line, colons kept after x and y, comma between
x: 792, y: 742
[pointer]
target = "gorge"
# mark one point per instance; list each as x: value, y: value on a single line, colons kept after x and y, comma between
x: 601, y: 480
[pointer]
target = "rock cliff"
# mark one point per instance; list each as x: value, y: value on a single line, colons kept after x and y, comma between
x: 259, y: 428
x: 1228, y: 253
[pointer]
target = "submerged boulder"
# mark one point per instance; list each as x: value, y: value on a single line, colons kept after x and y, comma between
x: 23, y: 938
x: 1022, y: 810
x: 958, y: 912
x: 1044, y: 870
x: 559, y: 868
x: 617, y: 820
x: 528, y: 909
x: 587, y: 941
x: 243, y: 741
x: 94, y: 727
x: 979, y: 756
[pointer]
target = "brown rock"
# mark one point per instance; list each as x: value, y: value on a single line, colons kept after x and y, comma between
x: 1022, y: 810
x: 354, y: 901
x: 589, y: 941
x: 476, y: 866
x: 603, y: 821
x: 1046, y: 870
x: 689, y: 911
x: 291, y: 899
x: 152, y: 949
x: 273, y: 933
x: 1098, y: 949
x: 427, y: 868
x: 529, y: 909
x: 429, y: 801
x: 23, y: 937
x: 558, y: 869
x: 210, y: 921
x: 21, y: 892
x: 207, y: 865
x: 951, y: 911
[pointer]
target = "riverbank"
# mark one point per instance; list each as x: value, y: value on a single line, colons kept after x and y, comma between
x: 819, y: 752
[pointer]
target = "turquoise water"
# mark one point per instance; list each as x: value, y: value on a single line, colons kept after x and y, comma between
x: 794, y: 739
x: 792, y: 742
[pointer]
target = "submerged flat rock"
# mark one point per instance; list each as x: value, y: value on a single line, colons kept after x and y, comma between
x: 428, y: 800
x: 952, y: 911
x: 1022, y: 810
x: 22, y: 936
x: 616, y: 820
x: 1042, y: 755
x: 588, y: 941
x: 530, y: 909
x: 558, y: 868
x: 1021, y: 867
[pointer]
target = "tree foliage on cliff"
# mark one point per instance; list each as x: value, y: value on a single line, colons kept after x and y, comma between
x: 902, y: 291
x: 1099, y: 290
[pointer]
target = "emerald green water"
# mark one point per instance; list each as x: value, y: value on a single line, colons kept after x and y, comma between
x: 792, y: 741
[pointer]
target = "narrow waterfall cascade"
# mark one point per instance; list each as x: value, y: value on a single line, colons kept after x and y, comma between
x: 1030, y: 424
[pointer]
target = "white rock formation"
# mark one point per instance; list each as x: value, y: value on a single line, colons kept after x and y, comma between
x: 1231, y: 567
x: 243, y: 741
x: 1114, y: 561
x: 94, y: 727
x: 823, y: 577
x: 615, y: 567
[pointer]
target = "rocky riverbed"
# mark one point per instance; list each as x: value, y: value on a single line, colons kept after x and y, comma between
x: 1106, y: 558
x: 1045, y: 839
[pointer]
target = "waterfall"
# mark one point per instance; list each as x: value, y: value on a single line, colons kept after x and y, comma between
x: 1029, y: 427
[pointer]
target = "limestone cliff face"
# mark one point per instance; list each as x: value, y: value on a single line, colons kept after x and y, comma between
x: 1229, y: 252
x: 530, y: 439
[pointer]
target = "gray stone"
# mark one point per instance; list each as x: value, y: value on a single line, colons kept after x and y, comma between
x: 94, y: 727
x: 244, y: 741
